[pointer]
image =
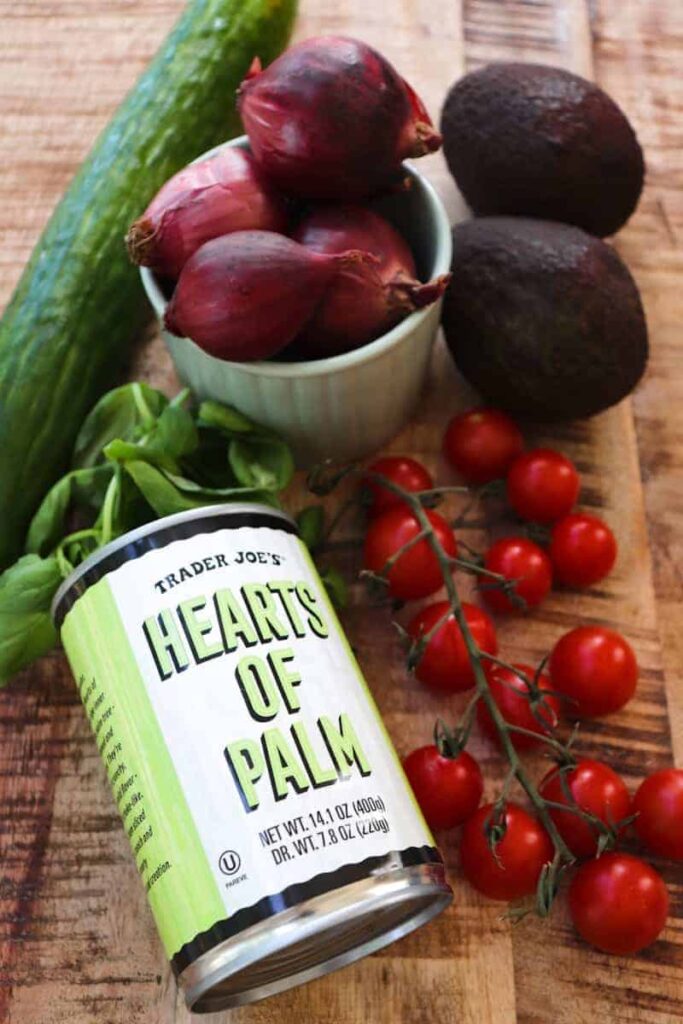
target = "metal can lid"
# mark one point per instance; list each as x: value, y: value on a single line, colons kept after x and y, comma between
x: 100, y: 562
x: 321, y: 935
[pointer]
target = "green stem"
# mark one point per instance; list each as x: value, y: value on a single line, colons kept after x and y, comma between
x: 578, y: 811
x: 80, y: 535
x: 531, y: 684
x: 65, y: 566
x: 478, y: 570
x: 503, y: 728
x: 482, y: 686
x: 141, y: 405
x: 540, y: 737
x: 426, y: 637
x: 391, y: 562
x: 109, y: 505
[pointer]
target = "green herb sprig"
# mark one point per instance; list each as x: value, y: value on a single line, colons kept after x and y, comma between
x: 138, y: 456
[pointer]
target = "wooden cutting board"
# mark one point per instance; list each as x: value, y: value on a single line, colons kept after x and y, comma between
x: 77, y: 941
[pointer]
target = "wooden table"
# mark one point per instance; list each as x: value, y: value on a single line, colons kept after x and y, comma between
x: 78, y: 944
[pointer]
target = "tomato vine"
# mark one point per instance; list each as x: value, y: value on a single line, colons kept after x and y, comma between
x: 452, y: 741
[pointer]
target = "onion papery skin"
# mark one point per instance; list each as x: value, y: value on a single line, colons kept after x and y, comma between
x: 336, y: 229
x: 358, y: 307
x: 224, y: 193
x: 332, y: 119
x: 246, y: 295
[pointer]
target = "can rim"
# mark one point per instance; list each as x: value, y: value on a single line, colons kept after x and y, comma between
x: 226, y: 508
x: 424, y: 884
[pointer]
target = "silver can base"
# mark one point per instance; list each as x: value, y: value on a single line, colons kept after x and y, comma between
x: 315, y: 937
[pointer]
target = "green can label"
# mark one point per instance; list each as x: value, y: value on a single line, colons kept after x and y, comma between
x: 244, y: 750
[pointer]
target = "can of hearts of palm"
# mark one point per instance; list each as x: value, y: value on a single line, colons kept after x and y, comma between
x: 271, y: 823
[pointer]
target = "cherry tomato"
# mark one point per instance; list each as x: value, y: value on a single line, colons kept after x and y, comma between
x: 582, y: 550
x: 595, y: 668
x: 542, y: 485
x: 416, y: 573
x: 448, y: 789
x: 596, y: 789
x: 445, y: 665
x: 659, y: 803
x: 511, y: 694
x: 407, y: 473
x: 517, y: 558
x: 618, y: 903
x: 519, y: 857
x: 481, y: 444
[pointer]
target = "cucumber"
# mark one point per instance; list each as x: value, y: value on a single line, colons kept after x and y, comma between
x: 78, y: 306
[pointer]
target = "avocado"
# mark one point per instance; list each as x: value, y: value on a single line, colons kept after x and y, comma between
x: 542, y: 318
x: 538, y: 141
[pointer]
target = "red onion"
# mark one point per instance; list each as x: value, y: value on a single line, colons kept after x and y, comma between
x: 332, y: 119
x: 246, y: 295
x: 224, y: 193
x: 336, y: 229
x: 358, y: 307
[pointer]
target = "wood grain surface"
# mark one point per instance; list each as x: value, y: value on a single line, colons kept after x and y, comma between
x: 77, y: 943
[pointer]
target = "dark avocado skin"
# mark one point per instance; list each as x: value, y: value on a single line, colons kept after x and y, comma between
x: 538, y: 141
x: 544, y: 320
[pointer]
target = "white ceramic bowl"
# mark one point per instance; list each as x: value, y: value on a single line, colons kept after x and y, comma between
x: 349, y: 405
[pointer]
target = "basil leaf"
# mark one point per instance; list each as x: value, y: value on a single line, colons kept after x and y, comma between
x: 84, y: 488
x: 137, y: 457
x: 219, y: 495
x: 208, y: 465
x: 175, y: 432
x: 311, y: 523
x: 223, y: 417
x: 168, y: 493
x: 171, y: 437
x: 119, y: 413
x: 132, y: 508
x: 264, y: 463
x: 159, y: 492
x: 127, y: 451
x: 26, y: 630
